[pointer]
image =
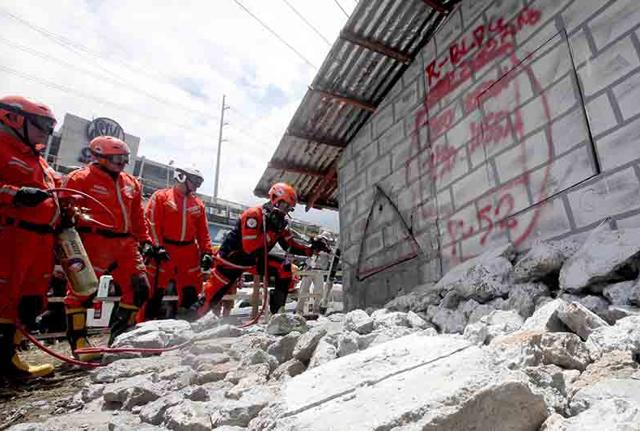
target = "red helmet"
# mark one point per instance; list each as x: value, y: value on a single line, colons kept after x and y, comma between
x: 106, y: 146
x: 38, y: 114
x: 283, y: 192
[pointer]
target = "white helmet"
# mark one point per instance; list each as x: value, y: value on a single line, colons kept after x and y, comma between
x: 182, y: 174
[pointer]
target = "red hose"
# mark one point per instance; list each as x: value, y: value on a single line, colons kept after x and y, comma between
x: 131, y: 349
x: 88, y: 196
x: 57, y: 355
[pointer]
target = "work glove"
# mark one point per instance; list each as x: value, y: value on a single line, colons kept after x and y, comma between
x: 320, y: 244
x: 147, y: 250
x: 30, y: 196
x: 206, y: 262
x: 161, y: 254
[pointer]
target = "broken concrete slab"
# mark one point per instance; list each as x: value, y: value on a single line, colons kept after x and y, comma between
x: 482, y: 278
x: 283, y: 323
x: 358, y: 391
x: 604, y: 252
x: 307, y: 343
x: 624, y: 335
x: 522, y: 297
x: 580, y: 319
x: 358, y: 321
x: 156, y: 334
x: 546, y: 318
x: 544, y: 258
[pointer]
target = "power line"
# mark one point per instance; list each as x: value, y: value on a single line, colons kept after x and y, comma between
x: 82, y: 49
x: 341, y: 8
x: 275, y: 34
x: 117, y: 82
x: 307, y: 22
x: 68, y: 90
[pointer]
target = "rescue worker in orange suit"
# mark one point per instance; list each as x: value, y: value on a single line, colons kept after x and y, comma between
x: 28, y: 217
x: 244, y: 248
x: 179, y: 231
x: 116, y: 250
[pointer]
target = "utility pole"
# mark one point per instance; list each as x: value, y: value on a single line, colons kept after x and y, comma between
x: 220, y: 140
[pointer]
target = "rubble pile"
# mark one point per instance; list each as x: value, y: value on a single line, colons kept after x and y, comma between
x: 548, y: 340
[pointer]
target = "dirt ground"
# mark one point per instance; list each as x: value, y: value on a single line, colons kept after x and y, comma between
x: 38, y: 399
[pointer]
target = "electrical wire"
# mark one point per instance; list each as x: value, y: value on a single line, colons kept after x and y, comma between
x: 341, y: 8
x: 84, y: 50
x: 115, y: 81
x: 68, y: 90
x: 311, y: 26
x: 276, y: 35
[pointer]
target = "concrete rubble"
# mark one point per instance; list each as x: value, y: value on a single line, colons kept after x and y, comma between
x: 549, y: 340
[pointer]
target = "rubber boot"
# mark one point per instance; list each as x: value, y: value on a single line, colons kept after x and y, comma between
x: 10, y: 363
x: 125, y: 318
x: 77, y: 334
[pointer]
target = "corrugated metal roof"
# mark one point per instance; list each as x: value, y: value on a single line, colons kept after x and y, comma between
x: 355, y: 69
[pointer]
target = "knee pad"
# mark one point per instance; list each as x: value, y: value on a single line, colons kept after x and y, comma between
x: 189, y: 296
x: 140, y: 287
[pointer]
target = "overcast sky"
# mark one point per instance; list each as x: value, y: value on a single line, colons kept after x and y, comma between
x: 160, y: 69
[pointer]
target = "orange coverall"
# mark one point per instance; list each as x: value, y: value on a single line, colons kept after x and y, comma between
x: 113, y: 249
x: 178, y: 222
x: 26, y: 234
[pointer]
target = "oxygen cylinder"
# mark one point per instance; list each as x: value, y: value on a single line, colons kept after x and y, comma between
x: 75, y: 262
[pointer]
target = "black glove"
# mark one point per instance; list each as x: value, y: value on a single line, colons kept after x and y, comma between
x: 30, y: 196
x: 319, y: 244
x: 146, y: 250
x: 161, y: 254
x: 206, y: 262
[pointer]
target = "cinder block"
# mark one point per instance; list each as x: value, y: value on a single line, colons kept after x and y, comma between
x: 445, y: 206
x: 366, y: 156
x: 608, y: 66
x: 606, y: 196
x: 579, y: 11
x: 390, y: 138
x: 430, y: 272
x: 350, y: 255
x: 630, y: 222
x: 382, y: 120
x: 347, y: 172
x: 356, y: 229
x: 395, y: 233
x: 406, y: 100
x: 448, y: 32
x: 580, y: 48
x: 555, y: 63
x: 347, y: 214
x: 413, y: 72
x: 601, y: 116
x: 541, y: 222
x: 472, y: 186
x: 618, y: 18
x: 364, y: 201
x: 373, y: 243
x: 394, y: 183
x: 620, y: 147
x: 400, y: 154
x: 356, y: 185
x: 483, y: 241
x: 378, y: 170
x: 463, y: 223
x: 562, y: 173
x: 423, y: 216
x: 471, y: 10
x: 627, y: 94
x: 569, y: 131
x: 534, y: 151
x: 362, y: 139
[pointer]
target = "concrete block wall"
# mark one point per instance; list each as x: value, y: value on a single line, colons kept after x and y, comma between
x: 518, y: 121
